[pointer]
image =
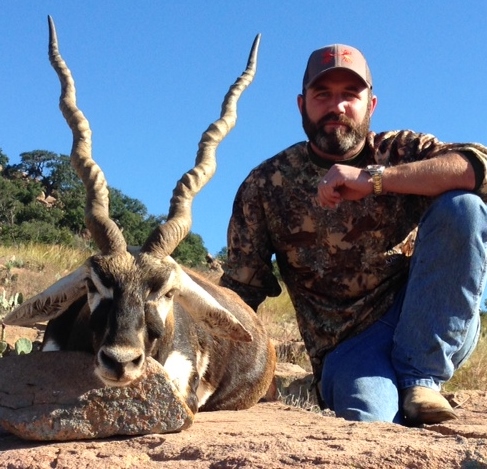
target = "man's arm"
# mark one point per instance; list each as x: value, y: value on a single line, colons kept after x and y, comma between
x: 248, y: 269
x: 428, y: 177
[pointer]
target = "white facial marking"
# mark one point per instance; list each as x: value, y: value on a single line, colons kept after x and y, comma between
x: 205, y: 389
x: 202, y: 361
x: 163, y: 304
x: 179, y: 369
x: 51, y: 346
x: 102, y: 292
x: 163, y: 307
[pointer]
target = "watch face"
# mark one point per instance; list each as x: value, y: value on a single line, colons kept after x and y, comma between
x: 375, y: 168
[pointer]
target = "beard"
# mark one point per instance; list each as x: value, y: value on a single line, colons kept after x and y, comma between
x: 338, y: 141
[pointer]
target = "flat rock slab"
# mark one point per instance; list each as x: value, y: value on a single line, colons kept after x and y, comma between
x: 56, y: 396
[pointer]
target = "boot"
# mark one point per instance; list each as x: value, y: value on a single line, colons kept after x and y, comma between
x: 423, y: 405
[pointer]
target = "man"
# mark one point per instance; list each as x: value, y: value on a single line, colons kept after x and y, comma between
x: 384, y: 329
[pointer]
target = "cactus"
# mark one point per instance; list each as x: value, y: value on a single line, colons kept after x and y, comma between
x: 3, y: 344
x: 23, y: 346
x: 7, y: 304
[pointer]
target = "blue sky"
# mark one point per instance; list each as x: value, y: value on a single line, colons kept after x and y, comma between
x: 151, y: 75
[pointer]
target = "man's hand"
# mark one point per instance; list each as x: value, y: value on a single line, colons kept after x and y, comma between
x: 344, y: 182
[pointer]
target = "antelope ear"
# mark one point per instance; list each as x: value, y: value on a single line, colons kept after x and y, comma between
x: 52, y: 302
x: 205, y: 309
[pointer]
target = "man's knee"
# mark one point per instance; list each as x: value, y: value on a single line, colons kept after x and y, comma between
x: 456, y: 217
x: 458, y: 206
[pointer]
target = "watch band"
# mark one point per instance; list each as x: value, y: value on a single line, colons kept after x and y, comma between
x: 376, y: 170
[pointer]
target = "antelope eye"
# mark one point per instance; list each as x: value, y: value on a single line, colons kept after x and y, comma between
x: 170, y: 294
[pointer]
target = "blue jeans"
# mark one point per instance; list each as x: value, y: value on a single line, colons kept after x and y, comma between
x: 433, y: 325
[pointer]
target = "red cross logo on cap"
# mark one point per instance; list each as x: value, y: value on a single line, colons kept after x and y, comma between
x: 345, y: 54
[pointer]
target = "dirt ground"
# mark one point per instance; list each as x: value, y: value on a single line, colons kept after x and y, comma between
x: 275, y: 435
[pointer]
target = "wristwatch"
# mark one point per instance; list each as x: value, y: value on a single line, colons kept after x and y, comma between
x: 376, y: 170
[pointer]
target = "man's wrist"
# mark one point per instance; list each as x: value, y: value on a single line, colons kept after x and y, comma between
x: 376, y: 171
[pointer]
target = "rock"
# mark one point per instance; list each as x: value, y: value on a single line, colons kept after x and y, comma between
x: 13, y: 333
x: 292, y: 384
x: 56, y: 396
x: 292, y: 352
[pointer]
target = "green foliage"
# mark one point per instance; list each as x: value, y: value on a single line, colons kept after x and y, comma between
x: 131, y: 216
x: 3, y: 347
x: 222, y: 254
x: 63, y: 177
x: 191, y: 252
x: 3, y: 342
x: 23, y: 346
x: 9, y: 303
x: 36, y: 212
x: 3, y: 160
x: 37, y: 232
x: 14, y: 196
x: 34, y: 163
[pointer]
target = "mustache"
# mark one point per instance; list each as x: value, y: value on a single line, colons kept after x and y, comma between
x: 332, y: 117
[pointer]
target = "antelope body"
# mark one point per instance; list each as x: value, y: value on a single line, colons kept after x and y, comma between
x: 126, y: 306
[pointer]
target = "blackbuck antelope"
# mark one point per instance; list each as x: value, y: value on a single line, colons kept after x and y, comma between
x: 126, y: 306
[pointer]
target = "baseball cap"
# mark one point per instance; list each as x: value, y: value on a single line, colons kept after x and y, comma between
x: 336, y: 56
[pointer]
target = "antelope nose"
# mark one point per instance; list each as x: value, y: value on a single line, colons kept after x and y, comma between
x: 121, y: 362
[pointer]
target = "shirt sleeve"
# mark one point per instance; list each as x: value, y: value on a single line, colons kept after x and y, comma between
x: 405, y: 146
x: 248, y: 270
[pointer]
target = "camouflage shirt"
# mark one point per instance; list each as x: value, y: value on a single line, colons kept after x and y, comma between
x: 341, y: 267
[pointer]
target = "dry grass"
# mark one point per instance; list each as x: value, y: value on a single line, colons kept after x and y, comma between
x: 278, y: 316
x: 473, y: 374
x: 39, y: 256
x: 32, y: 268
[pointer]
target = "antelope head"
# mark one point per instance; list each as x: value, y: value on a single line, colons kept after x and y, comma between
x: 131, y: 296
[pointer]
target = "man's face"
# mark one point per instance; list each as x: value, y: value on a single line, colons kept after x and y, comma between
x: 336, y: 113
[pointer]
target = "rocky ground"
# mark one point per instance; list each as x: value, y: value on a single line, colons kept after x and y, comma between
x: 275, y: 435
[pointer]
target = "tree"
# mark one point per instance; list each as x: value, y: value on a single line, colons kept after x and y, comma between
x: 130, y: 215
x: 34, y: 162
x: 64, y: 184
x: 9, y: 202
x: 14, y: 195
x: 36, y: 232
x: 62, y: 177
x: 191, y: 251
x: 3, y: 160
x: 222, y: 254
